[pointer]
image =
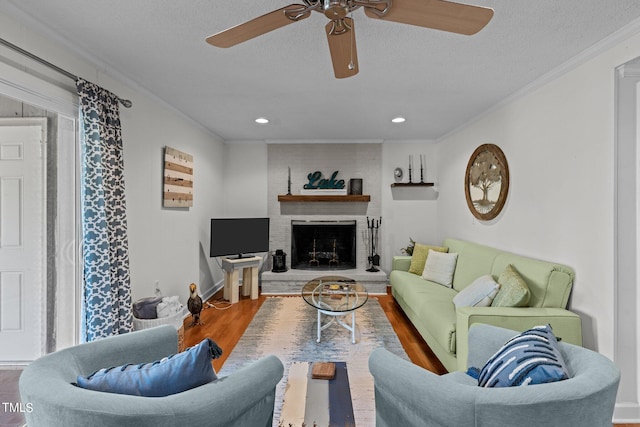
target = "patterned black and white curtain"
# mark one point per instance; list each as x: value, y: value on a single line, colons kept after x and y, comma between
x: 107, y: 291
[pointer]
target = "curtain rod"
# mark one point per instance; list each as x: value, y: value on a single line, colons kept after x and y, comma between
x: 125, y: 102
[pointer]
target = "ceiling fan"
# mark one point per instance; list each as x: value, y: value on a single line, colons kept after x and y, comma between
x: 438, y: 14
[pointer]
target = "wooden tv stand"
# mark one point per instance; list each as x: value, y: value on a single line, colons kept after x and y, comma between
x: 249, y: 267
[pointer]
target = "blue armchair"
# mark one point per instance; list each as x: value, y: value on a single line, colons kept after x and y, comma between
x: 408, y: 395
x: 244, y: 398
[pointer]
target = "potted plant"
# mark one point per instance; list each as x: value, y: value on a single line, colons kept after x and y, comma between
x: 409, y: 249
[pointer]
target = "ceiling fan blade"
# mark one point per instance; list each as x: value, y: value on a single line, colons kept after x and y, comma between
x: 437, y: 14
x: 342, y: 45
x: 258, y: 26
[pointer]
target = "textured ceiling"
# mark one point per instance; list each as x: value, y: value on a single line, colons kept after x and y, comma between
x: 437, y: 80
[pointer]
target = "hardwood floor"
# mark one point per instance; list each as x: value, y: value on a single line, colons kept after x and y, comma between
x: 413, y: 344
x: 224, y: 323
x: 226, y: 326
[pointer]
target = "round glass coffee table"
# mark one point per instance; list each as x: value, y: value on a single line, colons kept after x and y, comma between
x: 335, y: 297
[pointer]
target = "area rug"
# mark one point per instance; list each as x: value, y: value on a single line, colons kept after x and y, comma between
x: 286, y: 327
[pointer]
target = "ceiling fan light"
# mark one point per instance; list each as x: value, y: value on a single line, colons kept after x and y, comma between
x: 398, y: 120
x: 262, y: 120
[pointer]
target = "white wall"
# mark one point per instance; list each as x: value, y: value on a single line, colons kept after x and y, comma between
x: 245, y: 179
x: 169, y: 245
x: 559, y: 143
x: 408, y: 212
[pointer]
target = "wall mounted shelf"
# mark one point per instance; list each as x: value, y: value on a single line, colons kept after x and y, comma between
x: 412, y: 184
x: 323, y: 198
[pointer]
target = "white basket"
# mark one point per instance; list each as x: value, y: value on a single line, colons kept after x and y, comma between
x: 175, y: 320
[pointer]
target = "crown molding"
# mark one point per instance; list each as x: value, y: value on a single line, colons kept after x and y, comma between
x: 324, y: 141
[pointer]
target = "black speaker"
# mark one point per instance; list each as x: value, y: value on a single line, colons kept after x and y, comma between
x: 279, y: 262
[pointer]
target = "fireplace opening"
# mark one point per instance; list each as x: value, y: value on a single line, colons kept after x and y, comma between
x: 323, y: 245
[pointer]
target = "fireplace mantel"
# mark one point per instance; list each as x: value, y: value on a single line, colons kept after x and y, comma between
x: 361, y: 160
x: 323, y: 198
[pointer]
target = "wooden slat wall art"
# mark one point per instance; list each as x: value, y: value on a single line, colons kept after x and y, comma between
x: 178, y: 179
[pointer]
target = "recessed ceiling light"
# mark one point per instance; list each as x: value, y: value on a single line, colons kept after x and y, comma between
x: 398, y: 120
x: 262, y: 120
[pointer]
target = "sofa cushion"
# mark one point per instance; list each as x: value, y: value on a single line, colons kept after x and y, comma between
x: 173, y: 374
x: 440, y: 267
x: 514, y: 291
x: 419, y: 257
x: 478, y: 294
x: 532, y: 357
x: 474, y: 260
x: 432, y: 303
x: 403, y: 281
x: 410, y: 287
x: 549, y: 284
x: 440, y: 318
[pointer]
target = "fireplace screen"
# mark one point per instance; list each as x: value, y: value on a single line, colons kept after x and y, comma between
x: 323, y: 245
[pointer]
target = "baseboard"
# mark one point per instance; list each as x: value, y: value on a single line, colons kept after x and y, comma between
x: 281, y: 294
x: 626, y: 413
x: 211, y: 292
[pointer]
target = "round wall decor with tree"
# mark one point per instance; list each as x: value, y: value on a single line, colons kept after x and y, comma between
x: 486, y: 182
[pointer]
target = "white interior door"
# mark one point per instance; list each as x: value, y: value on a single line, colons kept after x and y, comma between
x: 22, y: 239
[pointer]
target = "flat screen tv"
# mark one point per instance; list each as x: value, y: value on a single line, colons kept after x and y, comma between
x: 239, y: 236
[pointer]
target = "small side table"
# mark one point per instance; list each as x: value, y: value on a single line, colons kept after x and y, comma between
x: 249, y: 267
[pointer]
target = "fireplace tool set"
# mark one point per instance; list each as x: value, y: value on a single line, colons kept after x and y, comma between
x: 374, y: 259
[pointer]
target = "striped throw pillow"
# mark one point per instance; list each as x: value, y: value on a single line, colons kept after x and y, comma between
x: 532, y: 357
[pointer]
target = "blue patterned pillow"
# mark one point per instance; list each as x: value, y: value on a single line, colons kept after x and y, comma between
x: 173, y: 374
x: 532, y: 357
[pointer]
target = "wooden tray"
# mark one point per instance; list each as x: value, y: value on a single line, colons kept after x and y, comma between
x: 323, y: 371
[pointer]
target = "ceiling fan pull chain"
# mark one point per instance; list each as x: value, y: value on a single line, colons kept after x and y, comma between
x: 351, y: 65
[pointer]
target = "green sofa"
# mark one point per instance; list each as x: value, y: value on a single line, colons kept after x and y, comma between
x: 430, y: 306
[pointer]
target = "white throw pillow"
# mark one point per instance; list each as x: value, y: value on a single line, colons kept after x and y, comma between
x: 439, y: 268
x: 480, y: 293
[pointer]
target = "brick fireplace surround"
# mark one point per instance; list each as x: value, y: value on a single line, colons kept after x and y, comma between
x: 352, y: 161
